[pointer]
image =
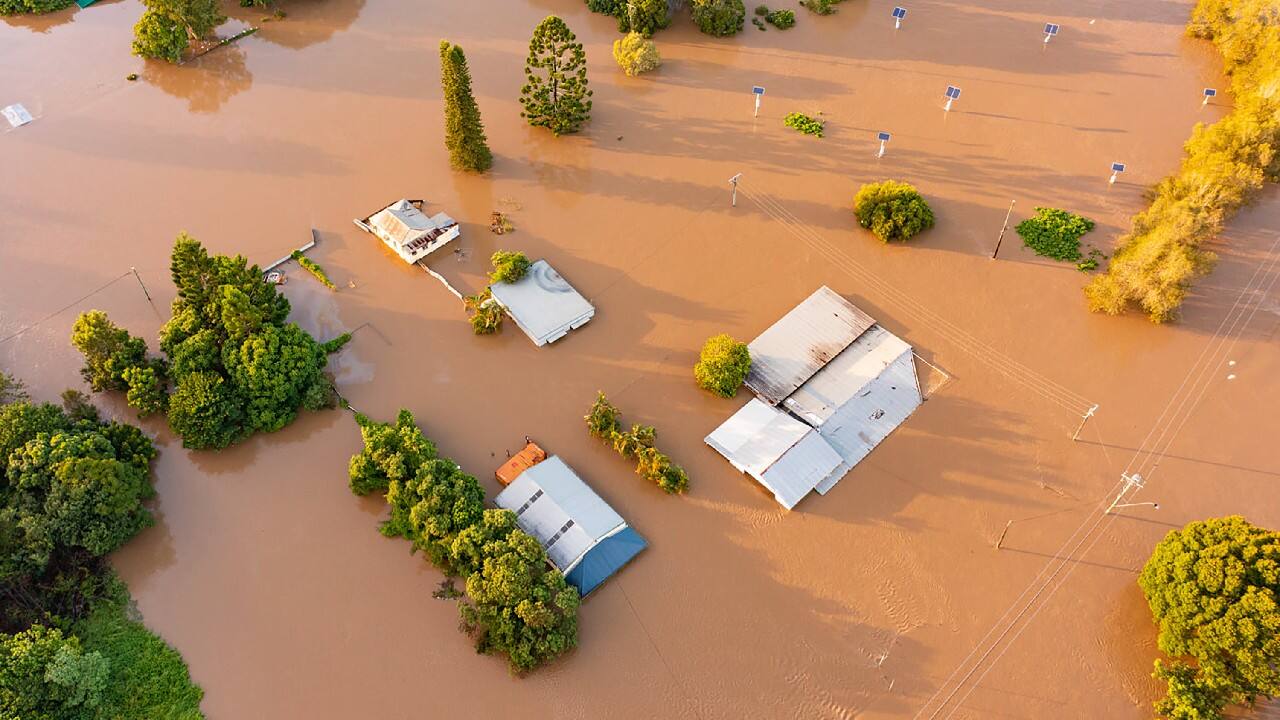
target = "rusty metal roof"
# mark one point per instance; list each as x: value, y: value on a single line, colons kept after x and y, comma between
x: 796, y: 347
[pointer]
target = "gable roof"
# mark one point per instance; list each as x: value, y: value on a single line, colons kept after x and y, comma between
x: 408, y: 227
x: 796, y: 347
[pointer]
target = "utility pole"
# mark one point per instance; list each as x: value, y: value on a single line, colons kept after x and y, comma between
x: 1131, y: 482
x: 1084, y: 420
x: 1003, y: 229
x: 734, y: 182
x: 137, y: 277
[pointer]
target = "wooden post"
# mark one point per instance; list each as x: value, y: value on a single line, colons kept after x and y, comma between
x: 137, y: 277
x: 1003, y: 533
x: 1083, y: 420
x: 1003, y: 229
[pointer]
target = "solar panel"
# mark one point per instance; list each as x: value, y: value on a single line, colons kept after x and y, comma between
x: 900, y: 12
x: 1050, y: 29
x: 1117, y: 167
x: 1210, y: 92
x: 953, y: 92
x: 883, y: 137
x: 757, y: 90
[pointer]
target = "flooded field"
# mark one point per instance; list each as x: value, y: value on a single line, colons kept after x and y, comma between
x: 270, y: 577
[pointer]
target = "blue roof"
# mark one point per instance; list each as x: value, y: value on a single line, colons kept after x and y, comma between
x: 604, y: 559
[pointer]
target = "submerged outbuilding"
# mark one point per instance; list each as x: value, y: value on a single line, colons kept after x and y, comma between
x: 585, y: 539
x: 543, y: 304
x: 831, y: 384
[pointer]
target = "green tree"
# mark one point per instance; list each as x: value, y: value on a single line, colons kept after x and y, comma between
x: 517, y: 605
x: 35, y: 7
x: 205, y: 413
x: 723, y: 365
x: 892, y: 210
x: 643, y: 16
x: 636, y: 54
x: 1055, y: 233
x: 468, y: 551
x: 108, y: 351
x: 719, y: 17
x: 463, y: 130
x: 272, y: 372
x: 555, y: 93
x: 432, y: 507
x: 391, y: 452
x: 508, y: 267
x: 11, y: 389
x: 146, y: 393
x: 607, y: 7
x: 167, y: 27
x: 1214, y: 592
x: 47, y: 676
x: 602, y: 420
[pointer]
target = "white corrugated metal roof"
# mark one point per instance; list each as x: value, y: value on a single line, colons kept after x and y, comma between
x: 781, y: 453
x: 543, y: 304
x: 805, y: 339
x: 846, y: 376
x: 550, y: 496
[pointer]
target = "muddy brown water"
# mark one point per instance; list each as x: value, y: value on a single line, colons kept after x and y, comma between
x: 271, y: 578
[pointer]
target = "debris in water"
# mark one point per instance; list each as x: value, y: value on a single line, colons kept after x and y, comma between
x: 131, y: 77
x: 275, y: 277
x: 17, y: 115
x: 447, y: 591
x: 500, y: 224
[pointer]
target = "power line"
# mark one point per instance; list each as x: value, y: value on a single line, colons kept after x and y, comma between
x: 66, y: 307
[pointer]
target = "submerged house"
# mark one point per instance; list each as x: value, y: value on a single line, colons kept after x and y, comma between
x: 403, y: 227
x: 543, y: 304
x: 830, y: 384
x: 584, y: 538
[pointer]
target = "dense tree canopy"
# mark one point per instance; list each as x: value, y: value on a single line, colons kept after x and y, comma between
x: 643, y: 16
x: 719, y: 17
x: 636, y: 54
x: 1214, y: 591
x: 555, y: 94
x: 167, y: 27
x: 45, y: 675
x: 516, y: 603
x: 1226, y: 164
x: 508, y: 266
x: 18, y: 7
x: 723, y: 365
x: 235, y: 365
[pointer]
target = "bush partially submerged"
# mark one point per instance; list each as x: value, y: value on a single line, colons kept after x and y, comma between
x: 635, y: 444
x: 1055, y: 233
x: 892, y: 210
x: 781, y: 19
x: 34, y: 7
x: 804, y: 123
x: 821, y: 7
x: 719, y: 18
x: 722, y: 366
x: 508, y: 267
x: 636, y: 54
x: 314, y: 268
x: 486, y: 313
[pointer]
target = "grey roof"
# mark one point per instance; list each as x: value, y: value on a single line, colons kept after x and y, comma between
x: 793, y: 349
x: 550, y: 496
x: 544, y: 306
x: 783, y: 454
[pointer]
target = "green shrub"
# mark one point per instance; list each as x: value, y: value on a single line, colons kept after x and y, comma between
x: 486, y: 312
x: 804, y: 123
x: 892, y: 210
x: 607, y: 7
x: 314, y: 268
x: 821, y: 7
x: 602, y: 420
x: 1055, y: 233
x: 1226, y: 165
x: 35, y: 7
x: 1214, y: 592
x: 45, y: 675
x: 635, y: 54
x: 762, y: 10
x: 781, y: 19
x: 719, y: 18
x: 644, y: 17
x: 722, y: 366
x: 167, y: 26
x: 508, y: 267
x: 108, y: 350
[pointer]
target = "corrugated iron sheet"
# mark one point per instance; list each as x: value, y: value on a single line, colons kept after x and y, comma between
x: 796, y: 347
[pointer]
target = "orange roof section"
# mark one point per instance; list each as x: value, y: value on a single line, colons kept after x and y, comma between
x: 528, y: 457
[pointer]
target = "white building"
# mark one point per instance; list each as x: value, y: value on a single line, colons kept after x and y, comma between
x: 831, y: 385
x: 404, y: 228
x: 543, y: 304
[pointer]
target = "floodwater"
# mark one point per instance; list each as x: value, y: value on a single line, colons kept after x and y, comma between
x: 870, y: 602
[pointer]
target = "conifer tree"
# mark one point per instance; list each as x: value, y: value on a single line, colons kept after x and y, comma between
x: 555, y: 94
x: 463, y: 129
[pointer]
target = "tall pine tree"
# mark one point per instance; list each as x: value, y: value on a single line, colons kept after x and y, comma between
x: 555, y: 94
x: 463, y: 129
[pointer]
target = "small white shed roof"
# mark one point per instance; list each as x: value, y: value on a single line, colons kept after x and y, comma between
x: 781, y: 453
x: 557, y: 508
x: 543, y: 304
x: 787, y: 354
